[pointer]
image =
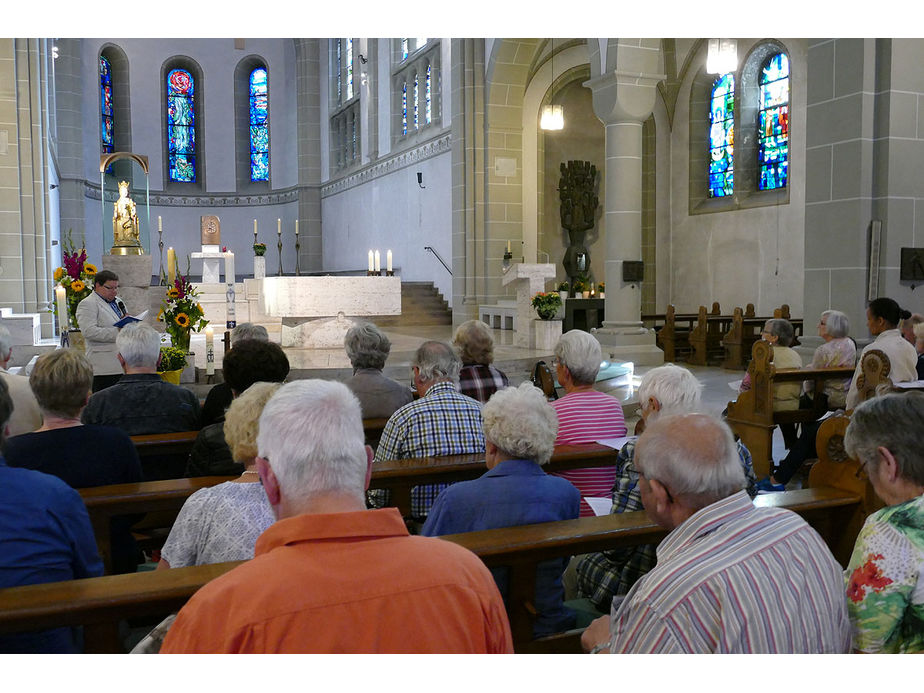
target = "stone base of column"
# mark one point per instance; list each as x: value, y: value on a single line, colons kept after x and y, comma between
x: 629, y: 342
x: 548, y: 332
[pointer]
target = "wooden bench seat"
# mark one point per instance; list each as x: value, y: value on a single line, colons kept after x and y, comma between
x: 100, y: 603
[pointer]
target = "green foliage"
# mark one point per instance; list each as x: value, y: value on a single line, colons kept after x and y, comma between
x: 172, y: 359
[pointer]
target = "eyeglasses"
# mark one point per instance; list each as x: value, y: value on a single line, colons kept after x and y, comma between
x: 109, y: 288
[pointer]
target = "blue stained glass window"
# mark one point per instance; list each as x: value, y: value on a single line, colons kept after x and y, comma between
x: 404, y: 108
x: 773, y: 124
x: 259, y: 125
x: 349, y: 75
x: 416, y: 101
x: 429, y: 93
x: 404, y: 50
x: 722, y: 137
x: 339, y: 71
x: 105, y: 104
x: 181, y: 126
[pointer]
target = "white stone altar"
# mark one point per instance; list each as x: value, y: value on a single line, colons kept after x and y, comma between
x: 529, y: 280
x: 211, y: 266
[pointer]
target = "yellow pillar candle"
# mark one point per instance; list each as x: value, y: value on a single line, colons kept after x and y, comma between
x: 171, y: 266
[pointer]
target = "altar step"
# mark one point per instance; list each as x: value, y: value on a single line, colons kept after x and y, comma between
x: 421, y: 304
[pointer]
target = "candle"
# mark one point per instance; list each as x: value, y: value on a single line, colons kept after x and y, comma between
x: 61, y: 300
x: 160, y: 226
x: 254, y: 230
x: 279, y: 227
x: 371, y: 261
x: 171, y: 266
x: 229, y: 267
x: 296, y: 227
x: 388, y: 261
x: 378, y: 262
x: 508, y: 246
x: 209, y: 351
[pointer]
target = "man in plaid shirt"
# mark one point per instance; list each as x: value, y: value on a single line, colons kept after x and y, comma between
x: 442, y: 422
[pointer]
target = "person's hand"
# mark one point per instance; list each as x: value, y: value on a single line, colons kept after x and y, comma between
x: 597, y: 633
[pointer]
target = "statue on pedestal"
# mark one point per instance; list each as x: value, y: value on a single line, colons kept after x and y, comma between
x: 125, y: 227
x: 578, y: 208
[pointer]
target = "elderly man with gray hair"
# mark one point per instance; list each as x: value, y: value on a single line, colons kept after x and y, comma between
x: 141, y: 402
x: 598, y: 577
x: 367, y: 348
x: 519, y: 431
x: 731, y: 577
x: 442, y: 422
x: 26, y: 415
x: 330, y: 576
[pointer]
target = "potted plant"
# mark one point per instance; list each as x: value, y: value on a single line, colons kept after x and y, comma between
x: 259, y: 249
x: 171, y: 364
x: 563, y: 290
x: 76, y: 276
x: 579, y: 287
x: 601, y: 290
x: 546, y: 304
x: 181, y: 312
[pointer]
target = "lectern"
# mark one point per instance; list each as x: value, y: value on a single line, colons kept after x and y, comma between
x: 528, y: 280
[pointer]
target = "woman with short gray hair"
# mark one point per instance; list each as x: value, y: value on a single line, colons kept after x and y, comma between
x: 885, y: 576
x: 519, y: 430
x: 367, y: 348
x: 478, y: 378
x: 780, y: 334
x: 838, y: 351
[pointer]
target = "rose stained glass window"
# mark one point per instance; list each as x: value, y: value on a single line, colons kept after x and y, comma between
x: 722, y: 137
x: 105, y: 105
x: 773, y: 124
x: 259, y: 126
x: 181, y: 126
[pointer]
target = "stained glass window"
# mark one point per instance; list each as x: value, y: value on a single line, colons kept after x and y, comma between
x: 404, y: 50
x: 429, y: 111
x: 404, y: 108
x: 259, y: 126
x: 722, y: 137
x: 773, y: 124
x: 181, y: 126
x: 416, y: 101
x: 105, y: 104
x: 349, y: 67
x: 339, y: 71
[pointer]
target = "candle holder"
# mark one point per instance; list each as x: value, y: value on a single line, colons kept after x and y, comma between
x: 370, y: 273
x: 160, y: 244
x: 279, y: 249
x: 389, y: 273
x: 297, y: 247
x: 508, y: 256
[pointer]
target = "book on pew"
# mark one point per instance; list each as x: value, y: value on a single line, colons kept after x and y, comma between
x: 131, y: 318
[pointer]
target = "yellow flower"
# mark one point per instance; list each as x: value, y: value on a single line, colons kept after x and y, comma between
x: 199, y: 307
x: 182, y: 320
x: 173, y: 292
x: 89, y: 269
x: 59, y: 274
x: 160, y: 315
x: 78, y: 286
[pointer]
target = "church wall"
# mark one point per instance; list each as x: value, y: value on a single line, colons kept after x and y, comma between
x: 218, y: 194
x: 739, y: 255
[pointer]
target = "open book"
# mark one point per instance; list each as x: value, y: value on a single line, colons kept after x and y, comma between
x: 131, y: 318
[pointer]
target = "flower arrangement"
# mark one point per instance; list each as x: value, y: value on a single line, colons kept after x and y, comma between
x: 259, y: 249
x: 76, y: 276
x: 580, y: 284
x: 171, y: 359
x: 546, y: 304
x: 564, y: 286
x: 601, y: 287
x: 181, y: 312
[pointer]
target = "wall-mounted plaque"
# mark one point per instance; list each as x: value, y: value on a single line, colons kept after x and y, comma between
x: 912, y: 264
x: 633, y: 270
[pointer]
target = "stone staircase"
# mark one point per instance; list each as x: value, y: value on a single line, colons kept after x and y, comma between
x: 421, y: 304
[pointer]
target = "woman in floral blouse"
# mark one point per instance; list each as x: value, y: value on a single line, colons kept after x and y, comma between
x: 885, y: 586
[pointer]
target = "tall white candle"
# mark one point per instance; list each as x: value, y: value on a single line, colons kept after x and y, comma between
x: 209, y: 351
x: 388, y: 261
x: 296, y: 227
x: 378, y: 262
x: 371, y: 262
x: 278, y: 227
x: 160, y: 226
x: 171, y: 266
x: 61, y: 301
x: 229, y: 267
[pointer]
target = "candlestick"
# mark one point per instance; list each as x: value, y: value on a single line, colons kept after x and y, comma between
x: 160, y: 246
x: 171, y: 266
x: 297, y: 251
x: 388, y: 261
x: 209, y: 351
x: 279, y: 251
x: 378, y: 262
x: 61, y: 300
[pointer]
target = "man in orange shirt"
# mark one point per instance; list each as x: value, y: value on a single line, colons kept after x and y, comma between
x: 329, y: 575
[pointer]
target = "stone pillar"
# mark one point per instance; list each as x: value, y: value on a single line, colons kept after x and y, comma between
x: 308, y: 127
x: 623, y: 100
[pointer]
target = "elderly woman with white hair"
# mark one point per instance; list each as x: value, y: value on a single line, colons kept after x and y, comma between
x: 598, y: 577
x: 585, y: 415
x: 478, y: 378
x: 885, y: 575
x: 838, y: 351
x: 519, y: 430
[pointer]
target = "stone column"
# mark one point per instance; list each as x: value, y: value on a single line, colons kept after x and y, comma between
x: 623, y: 101
x: 308, y: 126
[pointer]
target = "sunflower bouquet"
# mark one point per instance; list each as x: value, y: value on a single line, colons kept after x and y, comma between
x: 181, y: 312
x: 76, y: 276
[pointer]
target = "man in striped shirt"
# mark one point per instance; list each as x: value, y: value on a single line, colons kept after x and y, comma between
x: 585, y: 415
x: 730, y: 577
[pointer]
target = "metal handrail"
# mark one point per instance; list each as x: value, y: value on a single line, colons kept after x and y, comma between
x: 426, y: 247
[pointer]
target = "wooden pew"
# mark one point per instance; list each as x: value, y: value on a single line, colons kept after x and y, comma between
x: 745, y: 329
x: 706, y: 336
x: 100, y: 603
x: 674, y: 336
x: 752, y: 417
x: 164, y: 455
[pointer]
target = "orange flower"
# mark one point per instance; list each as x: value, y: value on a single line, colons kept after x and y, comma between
x: 182, y: 320
x: 78, y: 286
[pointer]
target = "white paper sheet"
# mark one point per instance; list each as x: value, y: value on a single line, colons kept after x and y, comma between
x: 600, y: 506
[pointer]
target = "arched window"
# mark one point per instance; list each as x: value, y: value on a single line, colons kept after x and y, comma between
x: 415, y: 75
x: 259, y: 125
x: 773, y: 123
x: 105, y: 105
x: 722, y: 137
x: 181, y: 126
x: 345, y: 133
